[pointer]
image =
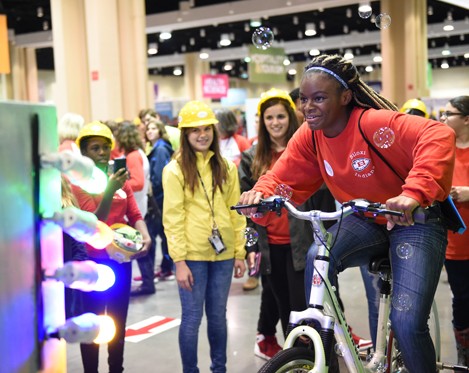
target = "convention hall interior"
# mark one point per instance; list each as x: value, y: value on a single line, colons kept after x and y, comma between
x: 109, y: 59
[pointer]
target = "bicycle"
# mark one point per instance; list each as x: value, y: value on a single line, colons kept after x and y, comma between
x: 324, y: 324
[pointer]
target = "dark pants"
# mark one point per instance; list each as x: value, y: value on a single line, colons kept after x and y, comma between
x: 287, y: 284
x: 458, y: 278
x: 113, y: 302
x: 268, y: 315
x: 146, y: 264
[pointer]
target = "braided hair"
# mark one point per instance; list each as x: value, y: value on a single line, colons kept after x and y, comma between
x: 346, y: 74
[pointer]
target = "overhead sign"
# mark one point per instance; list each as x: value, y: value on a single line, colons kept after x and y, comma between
x: 266, y: 66
x: 148, y: 328
x: 215, y: 85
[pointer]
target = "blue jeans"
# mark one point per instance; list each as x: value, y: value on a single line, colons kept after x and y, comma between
x: 212, y: 281
x: 415, y: 279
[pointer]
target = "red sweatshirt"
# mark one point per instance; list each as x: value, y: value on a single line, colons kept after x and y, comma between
x: 420, y: 150
x: 124, y: 210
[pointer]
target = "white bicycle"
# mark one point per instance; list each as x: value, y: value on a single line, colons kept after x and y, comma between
x: 324, y: 324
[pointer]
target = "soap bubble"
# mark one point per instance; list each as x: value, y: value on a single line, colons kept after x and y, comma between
x: 284, y: 191
x: 401, y: 302
x: 262, y: 38
x: 383, y: 21
x: 384, y: 137
x: 364, y: 11
x: 404, y: 250
x: 251, y: 236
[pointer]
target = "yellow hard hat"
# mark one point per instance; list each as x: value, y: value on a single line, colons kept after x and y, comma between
x: 416, y: 107
x: 95, y: 128
x: 275, y: 93
x: 195, y: 114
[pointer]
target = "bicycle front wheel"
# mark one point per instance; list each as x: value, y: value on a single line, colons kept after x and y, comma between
x: 291, y: 360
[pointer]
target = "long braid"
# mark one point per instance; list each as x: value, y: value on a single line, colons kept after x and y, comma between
x: 363, y: 94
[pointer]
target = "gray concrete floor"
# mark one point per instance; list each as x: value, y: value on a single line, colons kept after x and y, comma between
x: 160, y: 353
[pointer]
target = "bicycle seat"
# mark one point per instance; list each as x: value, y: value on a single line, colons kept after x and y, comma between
x: 379, y: 264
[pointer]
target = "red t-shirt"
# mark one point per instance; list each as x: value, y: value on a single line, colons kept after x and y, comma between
x: 458, y: 244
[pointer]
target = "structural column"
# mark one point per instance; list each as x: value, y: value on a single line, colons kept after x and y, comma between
x: 404, y: 50
x: 194, y: 67
x: 100, y: 57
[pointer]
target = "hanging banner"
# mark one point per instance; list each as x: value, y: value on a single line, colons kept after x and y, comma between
x: 215, y: 85
x: 266, y: 66
x: 4, y: 49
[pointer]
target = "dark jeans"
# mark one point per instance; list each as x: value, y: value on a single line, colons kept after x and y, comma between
x: 458, y: 278
x: 113, y: 302
x: 287, y: 284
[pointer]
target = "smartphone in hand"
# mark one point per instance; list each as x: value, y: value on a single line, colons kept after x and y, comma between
x: 117, y: 164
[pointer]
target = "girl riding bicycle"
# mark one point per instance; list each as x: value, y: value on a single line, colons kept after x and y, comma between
x: 417, y: 171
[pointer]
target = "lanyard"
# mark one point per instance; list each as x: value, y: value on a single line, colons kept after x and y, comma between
x: 208, y: 200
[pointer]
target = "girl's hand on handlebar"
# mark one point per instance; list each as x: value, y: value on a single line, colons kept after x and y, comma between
x: 401, y: 203
x: 248, y: 198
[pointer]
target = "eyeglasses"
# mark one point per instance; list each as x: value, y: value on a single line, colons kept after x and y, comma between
x: 448, y: 114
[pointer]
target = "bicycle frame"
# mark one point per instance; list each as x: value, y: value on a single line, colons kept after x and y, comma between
x: 324, y: 307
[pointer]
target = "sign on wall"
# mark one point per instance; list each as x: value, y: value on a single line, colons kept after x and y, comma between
x: 215, y: 85
x: 266, y: 66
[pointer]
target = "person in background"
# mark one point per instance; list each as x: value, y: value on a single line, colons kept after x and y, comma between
x: 114, y: 124
x: 231, y: 143
x: 331, y: 148
x: 129, y: 142
x: 115, y: 205
x: 159, y: 156
x: 456, y: 116
x: 415, y: 106
x: 173, y: 132
x: 295, y: 96
x: 68, y: 128
x: 205, y: 237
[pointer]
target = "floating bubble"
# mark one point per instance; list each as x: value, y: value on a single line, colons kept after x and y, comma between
x: 383, y: 21
x: 251, y: 236
x: 384, y: 137
x: 402, y: 302
x: 284, y: 191
x: 364, y: 11
x: 404, y: 250
x: 262, y: 38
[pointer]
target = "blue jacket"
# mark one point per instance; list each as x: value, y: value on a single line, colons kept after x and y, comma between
x: 159, y: 157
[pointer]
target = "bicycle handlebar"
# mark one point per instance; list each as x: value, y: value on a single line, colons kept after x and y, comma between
x: 360, y: 206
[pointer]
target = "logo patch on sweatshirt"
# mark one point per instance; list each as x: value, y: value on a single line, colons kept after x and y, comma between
x: 361, y: 164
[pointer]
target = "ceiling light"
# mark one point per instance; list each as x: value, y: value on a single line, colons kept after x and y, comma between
x: 202, y: 33
x: 152, y: 48
x: 228, y: 66
x: 295, y: 20
x: 365, y: 10
x: 348, y: 55
x: 448, y: 26
x: 322, y: 25
x: 247, y: 59
x: 177, y: 71
x: 292, y: 72
x: 446, y: 51
x: 45, y: 25
x: 310, y: 29
x: 286, y: 62
x: 430, y: 10
x: 369, y: 69
x: 204, y: 54
x: 299, y: 35
x: 255, y: 22
x: 348, y: 13
x: 40, y: 12
x: 246, y: 27
x: 444, y: 64
x: 314, y: 52
x: 378, y: 58
x: 345, y: 29
x: 466, y: 55
x: 165, y: 35
x: 225, y: 40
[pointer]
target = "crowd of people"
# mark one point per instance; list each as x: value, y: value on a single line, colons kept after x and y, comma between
x: 320, y: 140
